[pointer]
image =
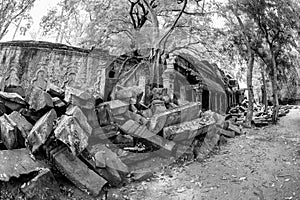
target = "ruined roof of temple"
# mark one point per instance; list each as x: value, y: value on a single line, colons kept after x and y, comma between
x: 209, y: 73
x: 42, y: 45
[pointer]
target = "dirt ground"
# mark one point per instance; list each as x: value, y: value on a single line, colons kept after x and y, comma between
x: 263, y: 164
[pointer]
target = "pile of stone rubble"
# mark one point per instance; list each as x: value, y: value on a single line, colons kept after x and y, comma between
x: 96, y: 145
x: 262, y: 116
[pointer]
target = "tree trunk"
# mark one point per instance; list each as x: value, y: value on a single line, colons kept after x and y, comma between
x: 275, y: 91
x: 250, y: 64
x: 264, y: 87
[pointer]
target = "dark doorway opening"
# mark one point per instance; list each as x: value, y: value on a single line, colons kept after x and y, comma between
x: 205, y: 100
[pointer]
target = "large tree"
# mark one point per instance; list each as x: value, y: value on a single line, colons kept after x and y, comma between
x: 274, y: 25
x: 13, y: 12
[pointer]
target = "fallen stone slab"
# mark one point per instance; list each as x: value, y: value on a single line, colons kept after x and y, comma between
x: 80, y: 117
x: 17, y: 162
x: 112, y: 176
x: 174, y: 116
x: 23, y: 125
x: 188, y: 130
x: 78, y: 173
x: 80, y: 98
x: 38, y: 99
x: 72, y: 134
x: 41, y: 130
x: 134, y: 129
x: 13, y: 101
x: 8, y: 132
x: 43, y: 186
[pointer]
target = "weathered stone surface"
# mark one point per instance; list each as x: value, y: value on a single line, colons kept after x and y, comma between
x: 136, y: 130
x: 77, y: 172
x: 72, y: 134
x: 111, y: 175
x: 210, y: 141
x: 14, y: 163
x: 117, y: 107
x: 158, y: 106
x: 81, y: 118
x: 110, y: 158
x: 80, y: 98
x: 188, y: 130
x: 100, y: 159
x: 220, y: 119
x: 23, y: 125
x: 43, y: 186
x: 9, y: 132
x: 13, y: 101
x: 38, y: 99
x: 37, y: 63
x: 174, y: 116
x: 41, y: 130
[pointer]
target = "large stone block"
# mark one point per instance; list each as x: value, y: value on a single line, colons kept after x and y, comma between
x: 23, y: 125
x: 13, y: 101
x: 77, y: 172
x: 134, y: 129
x: 72, y: 134
x: 41, y: 130
x: 14, y: 163
x: 80, y: 98
x: 107, y: 158
x: 174, y: 116
x: 210, y: 141
x: 9, y: 132
x: 81, y: 118
x: 38, y: 99
x: 188, y: 130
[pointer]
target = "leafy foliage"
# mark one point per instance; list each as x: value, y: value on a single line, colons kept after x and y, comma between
x: 12, y: 11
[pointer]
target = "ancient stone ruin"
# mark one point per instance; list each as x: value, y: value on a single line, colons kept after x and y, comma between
x: 95, y: 120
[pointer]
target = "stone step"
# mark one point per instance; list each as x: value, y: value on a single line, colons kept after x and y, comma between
x: 78, y: 173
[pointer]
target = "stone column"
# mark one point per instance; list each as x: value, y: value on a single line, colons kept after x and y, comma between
x: 169, y: 76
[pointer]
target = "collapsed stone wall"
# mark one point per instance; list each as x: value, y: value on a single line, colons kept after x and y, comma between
x: 26, y: 63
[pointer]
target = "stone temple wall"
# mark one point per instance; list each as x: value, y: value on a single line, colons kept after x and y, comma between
x: 28, y: 63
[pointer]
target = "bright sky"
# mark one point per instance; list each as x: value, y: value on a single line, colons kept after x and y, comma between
x: 37, y: 12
